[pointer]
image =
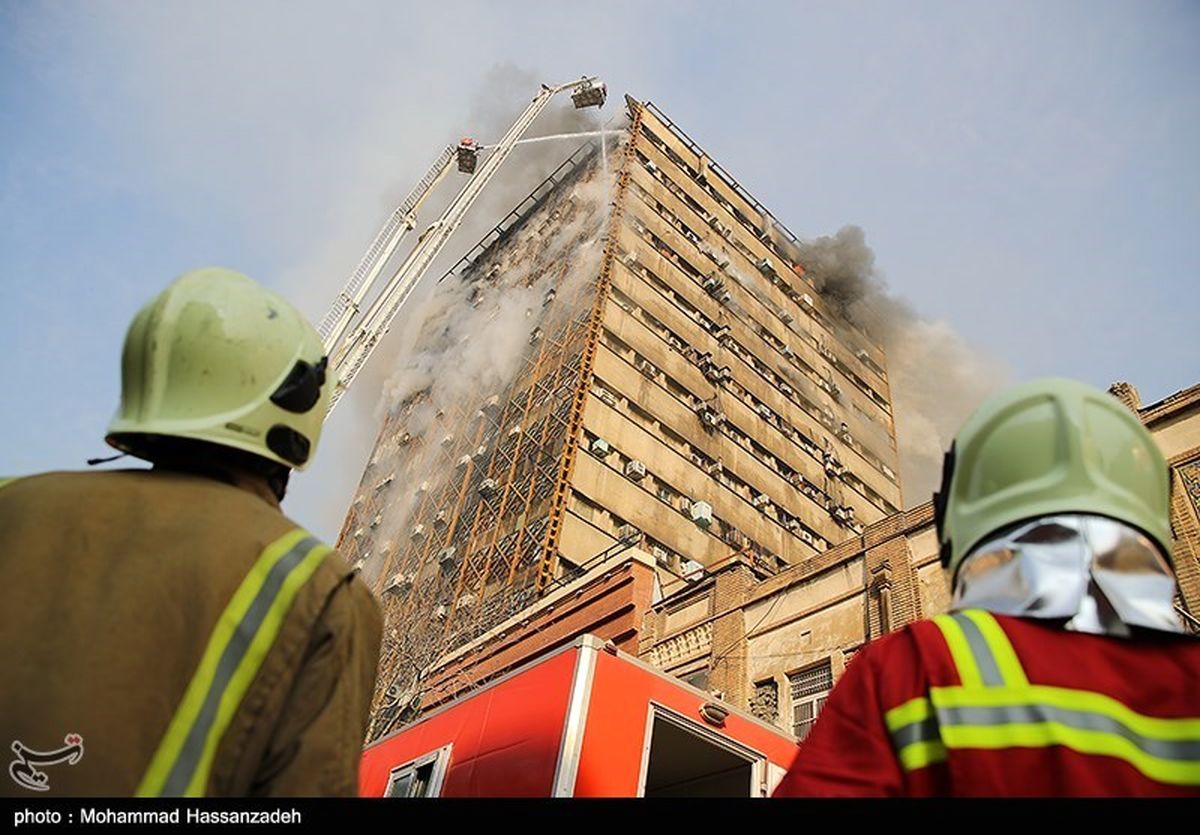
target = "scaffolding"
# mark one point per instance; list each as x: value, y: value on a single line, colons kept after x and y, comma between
x: 481, y: 542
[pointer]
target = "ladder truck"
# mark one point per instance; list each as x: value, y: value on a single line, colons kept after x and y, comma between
x: 352, y: 328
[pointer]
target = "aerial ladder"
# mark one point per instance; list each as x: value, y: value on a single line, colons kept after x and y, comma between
x: 350, y: 334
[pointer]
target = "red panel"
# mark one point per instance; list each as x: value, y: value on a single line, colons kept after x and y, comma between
x: 611, y: 761
x: 506, y: 738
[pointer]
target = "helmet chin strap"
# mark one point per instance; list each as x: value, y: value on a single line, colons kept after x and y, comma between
x: 91, y: 462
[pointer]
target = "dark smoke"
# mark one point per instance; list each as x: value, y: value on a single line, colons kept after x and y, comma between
x: 936, y: 378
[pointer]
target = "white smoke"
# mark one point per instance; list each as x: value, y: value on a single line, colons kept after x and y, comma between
x: 469, y: 337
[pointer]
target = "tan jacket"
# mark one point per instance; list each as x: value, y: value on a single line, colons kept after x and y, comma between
x: 194, y: 638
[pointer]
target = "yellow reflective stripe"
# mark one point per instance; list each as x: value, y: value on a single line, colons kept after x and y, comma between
x: 1167, y: 750
x: 1153, y: 727
x: 964, y: 660
x: 240, y: 641
x: 1045, y: 734
x: 914, y: 710
x: 1002, y: 650
x: 914, y: 733
x: 921, y: 754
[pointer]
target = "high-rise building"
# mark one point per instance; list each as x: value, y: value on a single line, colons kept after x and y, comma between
x: 633, y: 358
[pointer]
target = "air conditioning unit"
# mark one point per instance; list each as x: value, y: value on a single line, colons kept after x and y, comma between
x: 440, y: 521
x: 608, y: 397
x: 629, y: 534
x: 720, y: 332
x: 359, y: 564
x: 492, y: 406
x: 423, y: 488
x: 713, y: 468
x: 887, y: 471
x: 807, y: 299
x: 399, y: 584
x: 765, y: 266
x: 650, y: 166
x: 463, y: 462
x: 835, y: 390
x: 418, y: 533
x: 711, y: 417
x: 827, y: 416
x: 764, y: 411
x: 807, y: 537
x: 760, y: 500
x: 647, y: 368
x: 701, y: 513
x: 441, y: 612
x: 660, y: 555
x: 550, y: 296
x: 786, y: 317
x: 405, y: 439
x: 480, y: 453
x: 358, y: 533
x: 691, y: 570
x: 390, y: 478
x: 599, y: 448
x: 446, y: 558
x: 375, y: 522
x: 515, y: 430
x: 535, y: 335
x: 843, y: 513
x: 488, y: 487
x: 862, y: 354
x: 635, y: 469
x: 786, y: 390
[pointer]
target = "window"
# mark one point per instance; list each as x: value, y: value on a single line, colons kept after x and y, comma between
x: 421, y: 777
x: 810, y: 689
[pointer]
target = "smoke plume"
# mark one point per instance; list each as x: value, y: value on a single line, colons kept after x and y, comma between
x: 936, y: 378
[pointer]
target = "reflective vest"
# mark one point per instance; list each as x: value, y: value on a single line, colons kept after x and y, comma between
x: 996, y: 707
x: 165, y: 620
x: 974, y: 704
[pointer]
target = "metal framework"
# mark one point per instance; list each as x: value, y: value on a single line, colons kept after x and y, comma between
x: 483, y: 541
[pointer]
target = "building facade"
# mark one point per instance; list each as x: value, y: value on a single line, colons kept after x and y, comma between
x: 776, y: 646
x: 678, y: 388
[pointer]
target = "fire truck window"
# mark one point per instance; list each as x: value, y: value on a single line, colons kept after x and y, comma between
x: 686, y: 764
x: 421, y: 777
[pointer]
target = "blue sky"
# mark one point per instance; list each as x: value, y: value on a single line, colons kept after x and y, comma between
x: 1026, y: 172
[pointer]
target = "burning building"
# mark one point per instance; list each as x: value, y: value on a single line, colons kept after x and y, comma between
x: 634, y: 359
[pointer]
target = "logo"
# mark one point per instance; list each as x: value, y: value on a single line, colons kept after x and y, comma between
x: 24, y: 770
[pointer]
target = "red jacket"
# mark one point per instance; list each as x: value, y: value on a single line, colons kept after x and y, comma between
x: 975, y: 704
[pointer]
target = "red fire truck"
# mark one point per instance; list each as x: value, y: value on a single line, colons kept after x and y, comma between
x: 581, y: 721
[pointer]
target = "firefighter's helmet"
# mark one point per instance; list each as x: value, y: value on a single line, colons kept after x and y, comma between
x: 216, y: 357
x: 1049, y: 446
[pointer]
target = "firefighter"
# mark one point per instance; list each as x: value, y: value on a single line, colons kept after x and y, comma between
x: 168, y: 631
x: 1061, y: 668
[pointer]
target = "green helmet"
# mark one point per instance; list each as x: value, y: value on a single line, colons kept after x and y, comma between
x: 216, y: 357
x: 1045, y: 447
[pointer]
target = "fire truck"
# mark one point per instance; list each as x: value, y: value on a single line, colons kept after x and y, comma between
x: 583, y: 720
